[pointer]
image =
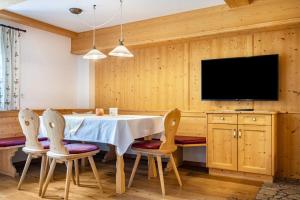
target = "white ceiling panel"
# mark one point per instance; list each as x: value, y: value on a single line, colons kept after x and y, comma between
x: 56, y: 12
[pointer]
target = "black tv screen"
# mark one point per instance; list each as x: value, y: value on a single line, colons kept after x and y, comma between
x: 244, y: 78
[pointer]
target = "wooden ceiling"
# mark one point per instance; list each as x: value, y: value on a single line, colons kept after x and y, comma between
x: 264, y: 14
x: 4, y: 14
x: 237, y: 3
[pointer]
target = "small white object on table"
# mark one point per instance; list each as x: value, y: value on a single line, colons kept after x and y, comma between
x: 120, y: 131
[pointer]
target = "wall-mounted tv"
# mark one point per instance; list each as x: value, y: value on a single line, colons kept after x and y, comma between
x: 243, y: 78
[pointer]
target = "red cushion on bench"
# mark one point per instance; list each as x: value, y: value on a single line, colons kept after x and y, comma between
x: 13, y: 141
x: 147, y: 144
x: 190, y: 140
x: 16, y: 141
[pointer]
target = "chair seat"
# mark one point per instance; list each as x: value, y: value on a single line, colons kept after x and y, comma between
x: 147, y: 144
x: 78, y: 148
x: 189, y: 140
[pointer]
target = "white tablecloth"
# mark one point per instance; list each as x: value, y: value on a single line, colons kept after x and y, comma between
x: 118, y: 130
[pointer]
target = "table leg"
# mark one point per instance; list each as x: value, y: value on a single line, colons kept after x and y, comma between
x: 110, y: 155
x: 120, y: 175
x: 83, y: 161
x: 178, y: 158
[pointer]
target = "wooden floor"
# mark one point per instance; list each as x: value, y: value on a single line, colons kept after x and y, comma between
x: 196, y: 185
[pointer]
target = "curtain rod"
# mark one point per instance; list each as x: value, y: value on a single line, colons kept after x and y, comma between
x: 13, y: 28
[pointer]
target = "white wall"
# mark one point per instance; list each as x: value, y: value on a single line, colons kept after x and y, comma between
x: 50, y: 75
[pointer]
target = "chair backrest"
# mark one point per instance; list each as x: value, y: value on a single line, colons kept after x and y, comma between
x: 30, y: 123
x: 54, y: 123
x: 171, y: 122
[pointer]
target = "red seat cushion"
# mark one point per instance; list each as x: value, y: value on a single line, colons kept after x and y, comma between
x: 143, y: 139
x: 147, y: 144
x: 13, y: 141
x: 77, y: 148
x: 189, y: 140
x: 46, y: 143
x: 43, y: 139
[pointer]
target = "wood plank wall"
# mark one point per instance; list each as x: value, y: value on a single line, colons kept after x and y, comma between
x: 162, y: 76
x: 9, y: 123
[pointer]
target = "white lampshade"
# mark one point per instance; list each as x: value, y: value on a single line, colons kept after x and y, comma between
x: 121, y: 51
x: 94, y: 54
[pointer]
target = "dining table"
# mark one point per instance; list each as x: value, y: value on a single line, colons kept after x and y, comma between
x: 120, y: 131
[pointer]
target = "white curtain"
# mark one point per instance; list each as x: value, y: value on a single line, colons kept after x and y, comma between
x: 9, y: 69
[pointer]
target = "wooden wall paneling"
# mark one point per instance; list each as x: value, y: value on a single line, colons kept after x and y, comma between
x: 293, y: 137
x: 137, y: 82
x: 288, y: 146
x: 234, y: 46
x: 286, y: 43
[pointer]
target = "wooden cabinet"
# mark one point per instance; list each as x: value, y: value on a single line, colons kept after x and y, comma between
x: 254, y: 149
x: 242, y: 142
x: 222, y: 149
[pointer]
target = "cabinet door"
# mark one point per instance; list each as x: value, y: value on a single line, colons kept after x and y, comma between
x: 254, y: 149
x: 222, y: 146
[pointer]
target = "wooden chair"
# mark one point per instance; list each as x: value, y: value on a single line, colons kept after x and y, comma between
x: 29, y: 122
x: 54, y: 123
x: 159, y: 149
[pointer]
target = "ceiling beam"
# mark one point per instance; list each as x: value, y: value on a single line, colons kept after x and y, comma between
x: 265, y: 14
x: 237, y: 3
x: 6, y: 3
x: 4, y: 14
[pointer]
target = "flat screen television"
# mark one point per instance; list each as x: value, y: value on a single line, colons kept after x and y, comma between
x: 243, y: 78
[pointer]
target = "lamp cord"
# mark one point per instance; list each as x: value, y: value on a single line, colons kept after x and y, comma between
x: 94, y: 27
x: 121, y: 7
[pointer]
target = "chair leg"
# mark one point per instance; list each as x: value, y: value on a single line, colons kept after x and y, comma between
x: 28, y: 161
x: 68, y: 178
x: 50, y: 161
x: 50, y: 174
x: 136, y: 163
x: 42, y: 173
x: 175, y: 170
x: 161, y: 175
x: 151, y: 167
x: 76, y: 172
x: 95, y: 171
x: 72, y: 175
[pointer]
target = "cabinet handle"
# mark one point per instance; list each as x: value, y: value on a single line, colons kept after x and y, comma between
x: 234, y: 133
x: 222, y: 118
x: 240, y: 133
x: 254, y: 119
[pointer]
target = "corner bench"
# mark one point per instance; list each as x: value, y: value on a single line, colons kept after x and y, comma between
x: 8, y: 148
x: 183, y: 142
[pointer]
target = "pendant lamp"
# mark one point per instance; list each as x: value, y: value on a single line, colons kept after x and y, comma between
x: 94, y: 53
x: 121, y: 50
